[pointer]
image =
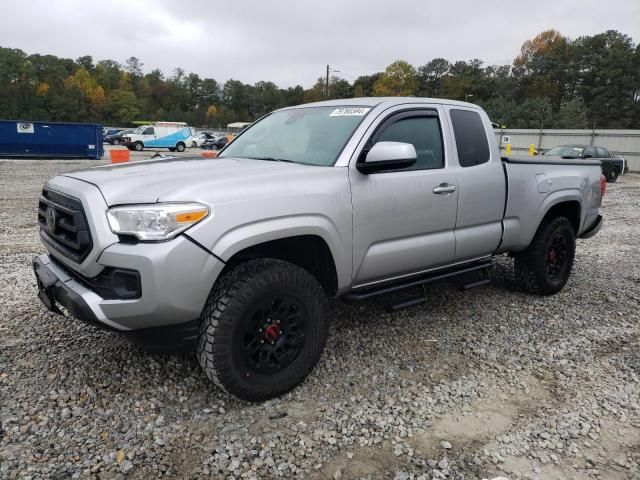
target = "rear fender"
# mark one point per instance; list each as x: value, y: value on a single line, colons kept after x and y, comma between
x: 519, y: 231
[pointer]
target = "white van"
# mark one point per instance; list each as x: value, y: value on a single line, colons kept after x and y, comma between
x: 171, y: 135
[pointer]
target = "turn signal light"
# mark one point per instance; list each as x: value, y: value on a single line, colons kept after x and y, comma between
x: 191, y: 217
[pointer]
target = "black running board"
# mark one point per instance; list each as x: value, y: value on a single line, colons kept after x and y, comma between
x: 479, y: 271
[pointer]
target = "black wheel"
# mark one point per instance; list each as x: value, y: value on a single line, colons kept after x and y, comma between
x: 612, y: 175
x: 180, y: 146
x: 116, y: 142
x: 263, y: 329
x: 194, y: 144
x: 138, y: 146
x: 544, y: 267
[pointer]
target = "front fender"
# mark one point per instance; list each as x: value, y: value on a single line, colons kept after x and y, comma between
x: 256, y: 232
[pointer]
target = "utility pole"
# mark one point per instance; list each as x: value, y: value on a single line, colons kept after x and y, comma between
x: 326, y: 85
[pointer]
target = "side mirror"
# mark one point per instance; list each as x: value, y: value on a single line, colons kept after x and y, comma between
x: 388, y: 156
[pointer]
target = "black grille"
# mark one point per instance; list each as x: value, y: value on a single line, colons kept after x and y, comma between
x: 63, y: 225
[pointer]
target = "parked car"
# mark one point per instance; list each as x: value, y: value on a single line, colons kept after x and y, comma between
x: 116, y: 139
x: 199, y: 139
x: 108, y: 132
x: 612, y: 165
x: 234, y: 257
x: 171, y: 135
x: 216, y: 143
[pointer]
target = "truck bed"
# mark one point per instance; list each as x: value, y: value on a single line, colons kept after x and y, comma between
x: 535, y: 184
x: 539, y: 160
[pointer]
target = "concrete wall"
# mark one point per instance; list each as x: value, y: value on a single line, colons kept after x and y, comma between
x: 622, y: 142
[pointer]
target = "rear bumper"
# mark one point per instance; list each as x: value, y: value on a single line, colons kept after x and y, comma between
x: 593, y: 229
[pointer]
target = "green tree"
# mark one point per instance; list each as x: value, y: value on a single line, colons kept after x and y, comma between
x: 266, y: 98
x: 399, y: 79
x: 86, y: 62
x: 134, y: 66
x: 554, y: 81
x: 317, y: 93
x: 291, y: 96
x: 339, y: 88
x: 363, y: 85
x: 608, y: 83
x: 544, y: 67
x: 572, y: 114
x: 120, y: 107
x: 430, y: 77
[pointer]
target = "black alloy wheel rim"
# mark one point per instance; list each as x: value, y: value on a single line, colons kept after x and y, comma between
x: 557, y: 257
x: 274, y: 334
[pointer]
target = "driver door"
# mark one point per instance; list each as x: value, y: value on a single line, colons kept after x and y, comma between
x: 404, y: 220
x: 148, y: 134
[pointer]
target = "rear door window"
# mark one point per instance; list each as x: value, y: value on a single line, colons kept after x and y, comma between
x: 589, y: 152
x: 602, y: 153
x: 471, y: 138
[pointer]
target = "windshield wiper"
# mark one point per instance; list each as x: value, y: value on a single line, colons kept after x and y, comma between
x: 271, y: 159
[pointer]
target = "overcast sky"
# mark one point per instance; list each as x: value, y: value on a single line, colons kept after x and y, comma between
x: 291, y: 41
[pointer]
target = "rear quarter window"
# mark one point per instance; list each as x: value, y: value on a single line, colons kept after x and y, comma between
x: 471, y: 138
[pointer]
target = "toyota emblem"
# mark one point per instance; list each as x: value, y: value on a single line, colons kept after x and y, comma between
x: 51, y: 219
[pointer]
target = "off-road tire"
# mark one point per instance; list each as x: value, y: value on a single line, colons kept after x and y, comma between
x: 530, y: 265
x: 180, y: 147
x: 228, y: 311
x: 612, y: 175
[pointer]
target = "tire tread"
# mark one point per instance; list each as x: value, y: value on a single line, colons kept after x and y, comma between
x: 529, y: 264
x: 228, y: 294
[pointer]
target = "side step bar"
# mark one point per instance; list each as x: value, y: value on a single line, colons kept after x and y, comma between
x: 478, y: 273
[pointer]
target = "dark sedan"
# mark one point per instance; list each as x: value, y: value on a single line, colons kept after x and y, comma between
x: 116, y: 138
x: 612, y: 164
x: 216, y: 143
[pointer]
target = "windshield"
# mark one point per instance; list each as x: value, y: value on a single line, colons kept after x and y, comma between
x: 138, y: 130
x: 566, y: 152
x: 308, y: 135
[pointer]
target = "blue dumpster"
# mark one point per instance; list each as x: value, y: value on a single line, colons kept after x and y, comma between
x: 50, y: 139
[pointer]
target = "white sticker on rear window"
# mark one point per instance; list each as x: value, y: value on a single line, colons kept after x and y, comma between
x: 349, y: 112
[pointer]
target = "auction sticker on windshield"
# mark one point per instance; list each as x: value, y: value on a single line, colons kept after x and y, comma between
x: 349, y: 112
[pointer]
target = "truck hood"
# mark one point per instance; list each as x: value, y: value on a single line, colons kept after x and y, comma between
x: 182, y: 179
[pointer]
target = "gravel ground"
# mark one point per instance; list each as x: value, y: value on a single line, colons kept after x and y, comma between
x: 483, y: 384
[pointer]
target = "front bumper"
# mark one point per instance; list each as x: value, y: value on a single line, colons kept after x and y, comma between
x: 55, y: 287
x: 176, y: 278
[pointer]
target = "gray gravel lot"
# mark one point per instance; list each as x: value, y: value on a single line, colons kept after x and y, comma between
x: 487, y: 383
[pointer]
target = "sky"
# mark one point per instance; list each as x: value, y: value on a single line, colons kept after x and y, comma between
x: 290, y: 42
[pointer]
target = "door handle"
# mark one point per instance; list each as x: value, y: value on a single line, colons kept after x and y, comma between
x: 444, y: 188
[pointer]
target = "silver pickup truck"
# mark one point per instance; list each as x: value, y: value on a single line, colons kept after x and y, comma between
x: 234, y: 257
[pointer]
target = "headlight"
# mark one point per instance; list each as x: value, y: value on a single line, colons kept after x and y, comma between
x: 157, y: 221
